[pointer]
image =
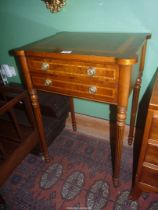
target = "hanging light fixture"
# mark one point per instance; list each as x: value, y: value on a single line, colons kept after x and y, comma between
x: 54, y: 5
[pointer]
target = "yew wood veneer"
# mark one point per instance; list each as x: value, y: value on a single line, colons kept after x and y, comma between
x: 103, y: 67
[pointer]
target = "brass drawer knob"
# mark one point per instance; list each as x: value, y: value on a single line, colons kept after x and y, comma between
x: 91, y: 71
x: 48, y: 82
x: 92, y: 89
x: 45, y: 66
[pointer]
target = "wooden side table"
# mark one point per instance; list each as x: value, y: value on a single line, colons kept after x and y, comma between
x: 103, y: 67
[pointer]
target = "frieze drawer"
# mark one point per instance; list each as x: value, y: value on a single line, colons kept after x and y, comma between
x: 76, y: 87
x: 108, y: 72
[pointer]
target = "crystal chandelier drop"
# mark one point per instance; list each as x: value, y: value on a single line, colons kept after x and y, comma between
x: 54, y: 5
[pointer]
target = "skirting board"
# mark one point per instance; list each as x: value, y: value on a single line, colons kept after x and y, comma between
x: 94, y: 126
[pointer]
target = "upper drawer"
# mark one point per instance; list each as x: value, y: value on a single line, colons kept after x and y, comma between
x: 109, y: 72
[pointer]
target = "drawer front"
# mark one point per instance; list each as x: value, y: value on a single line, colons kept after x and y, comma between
x: 54, y: 66
x: 75, y: 87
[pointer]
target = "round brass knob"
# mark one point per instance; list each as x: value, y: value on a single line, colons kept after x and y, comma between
x: 92, y: 89
x: 45, y: 66
x: 91, y: 71
x: 48, y: 82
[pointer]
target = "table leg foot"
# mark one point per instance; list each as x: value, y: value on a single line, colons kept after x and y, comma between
x: 130, y: 140
x: 135, y: 193
x: 47, y: 159
x: 74, y: 127
x: 115, y: 182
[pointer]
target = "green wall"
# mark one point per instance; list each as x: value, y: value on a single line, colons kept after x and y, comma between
x: 22, y: 22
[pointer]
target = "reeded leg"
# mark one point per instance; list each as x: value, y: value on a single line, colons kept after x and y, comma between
x: 38, y: 116
x: 136, y: 96
x: 121, y: 117
x: 134, y: 110
x: 73, y: 119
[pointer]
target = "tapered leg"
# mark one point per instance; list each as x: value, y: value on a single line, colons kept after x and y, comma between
x: 136, y: 95
x: 38, y: 116
x: 134, y: 110
x: 121, y: 117
x: 35, y: 104
x: 72, y: 111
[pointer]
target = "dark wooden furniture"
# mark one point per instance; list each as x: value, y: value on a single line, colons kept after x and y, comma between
x: 103, y: 67
x: 147, y: 171
x: 16, y: 140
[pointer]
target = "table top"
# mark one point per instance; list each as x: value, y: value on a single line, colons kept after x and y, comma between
x: 118, y: 45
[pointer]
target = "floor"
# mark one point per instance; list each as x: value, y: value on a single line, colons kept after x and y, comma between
x: 79, y: 176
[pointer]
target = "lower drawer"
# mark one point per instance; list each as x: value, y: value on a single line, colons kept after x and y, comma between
x: 80, y: 90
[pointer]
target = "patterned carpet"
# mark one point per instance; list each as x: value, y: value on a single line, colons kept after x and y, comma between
x: 77, y: 177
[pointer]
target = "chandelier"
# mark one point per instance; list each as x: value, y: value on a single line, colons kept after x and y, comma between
x: 54, y: 5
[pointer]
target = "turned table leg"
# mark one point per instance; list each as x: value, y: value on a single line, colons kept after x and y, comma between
x: 72, y: 111
x: 124, y: 84
x: 35, y: 104
x: 38, y: 116
x: 136, y: 95
x: 134, y: 110
x: 121, y: 117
